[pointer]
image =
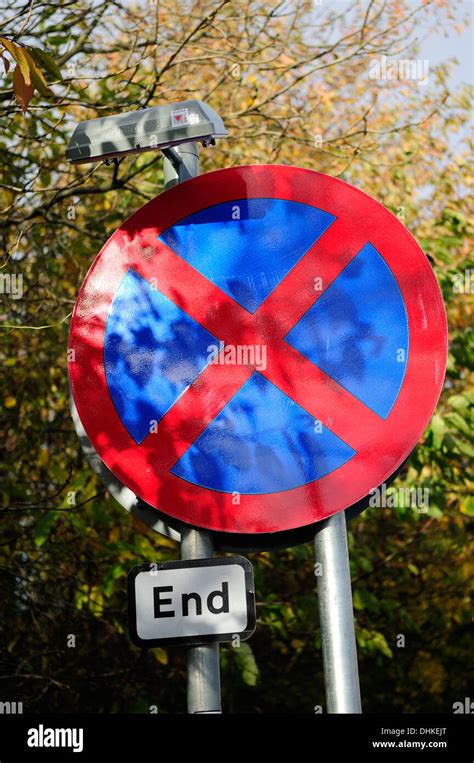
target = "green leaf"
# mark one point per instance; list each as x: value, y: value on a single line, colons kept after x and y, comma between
x: 357, y: 599
x: 438, y: 428
x: 363, y: 599
x: 58, y: 39
x: 78, y: 523
x: 44, y: 527
x: 37, y: 79
x: 380, y: 643
x: 467, y: 506
x: 365, y: 564
x: 457, y: 421
x: 459, y: 402
x: 46, y: 61
x: 115, y: 572
x: 465, y: 448
x: 245, y: 660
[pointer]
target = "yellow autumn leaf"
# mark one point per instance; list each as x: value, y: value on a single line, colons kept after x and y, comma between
x: 297, y: 644
x: 161, y: 655
x: 20, y: 56
x: 43, y: 457
x: 37, y: 79
x: 10, y: 402
x: 114, y: 534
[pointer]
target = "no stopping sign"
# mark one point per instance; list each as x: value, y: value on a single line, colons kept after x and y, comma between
x: 257, y: 349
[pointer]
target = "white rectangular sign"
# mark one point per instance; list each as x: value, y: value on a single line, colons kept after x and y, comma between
x: 179, y: 117
x: 191, y: 602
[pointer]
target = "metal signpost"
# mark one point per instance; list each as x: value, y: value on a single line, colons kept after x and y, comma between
x: 202, y: 661
x: 341, y: 674
x: 254, y: 352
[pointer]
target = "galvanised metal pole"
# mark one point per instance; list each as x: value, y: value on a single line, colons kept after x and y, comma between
x: 204, y: 684
x: 203, y: 674
x: 341, y: 674
x: 180, y: 163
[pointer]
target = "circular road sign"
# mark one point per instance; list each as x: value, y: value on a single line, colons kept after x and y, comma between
x: 256, y: 349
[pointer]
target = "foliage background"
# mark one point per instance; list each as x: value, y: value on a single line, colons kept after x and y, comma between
x: 291, y: 82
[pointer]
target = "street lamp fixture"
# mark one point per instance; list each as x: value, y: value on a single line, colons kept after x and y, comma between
x: 159, y: 127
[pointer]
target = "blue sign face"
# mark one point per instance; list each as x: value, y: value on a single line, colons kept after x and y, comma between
x: 261, y: 441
